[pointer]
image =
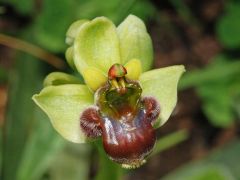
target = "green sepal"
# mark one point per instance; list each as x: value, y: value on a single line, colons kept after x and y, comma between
x: 162, y: 85
x: 64, y: 104
x: 96, y: 45
x: 135, y: 42
x: 60, y: 78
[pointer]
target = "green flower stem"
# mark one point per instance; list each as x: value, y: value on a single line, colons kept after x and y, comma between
x: 107, y: 168
x: 169, y: 141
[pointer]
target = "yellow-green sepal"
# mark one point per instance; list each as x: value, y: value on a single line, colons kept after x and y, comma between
x: 64, y: 104
x: 134, y: 69
x: 96, y: 45
x: 135, y: 42
x: 162, y: 85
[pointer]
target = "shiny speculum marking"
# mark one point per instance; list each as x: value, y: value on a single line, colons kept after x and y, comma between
x: 124, y: 121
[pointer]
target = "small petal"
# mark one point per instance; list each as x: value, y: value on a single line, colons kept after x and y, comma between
x: 73, y: 30
x: 135, y: 42
x: 96, y: 45
x: 59, y: 78
x: 64, y: 104
x: 134, y: 69
x: 93, y: 78
x: 162, y: 84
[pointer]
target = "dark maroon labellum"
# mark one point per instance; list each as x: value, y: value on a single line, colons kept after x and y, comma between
x: 124, y: 120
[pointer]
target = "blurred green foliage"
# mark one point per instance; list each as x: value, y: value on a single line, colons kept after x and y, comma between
x: 71, y: 163
x: 25, y: 7
x: 218, y: 87
x: 228, y: 27
x: 222, y: 164
x: 25, y: 149
x: 3, y: 75
x: 18, y: 116
x: 52, y: 19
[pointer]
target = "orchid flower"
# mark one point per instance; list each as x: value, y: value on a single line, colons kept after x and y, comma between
x: 121, y: 101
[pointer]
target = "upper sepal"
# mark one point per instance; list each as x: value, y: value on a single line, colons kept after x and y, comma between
x: 135, y: 42
x: 96, y: 45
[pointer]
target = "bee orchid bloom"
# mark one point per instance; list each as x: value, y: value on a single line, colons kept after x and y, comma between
x: 121, y: 101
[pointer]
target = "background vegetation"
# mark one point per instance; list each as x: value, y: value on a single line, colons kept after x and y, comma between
x: 201, y: 139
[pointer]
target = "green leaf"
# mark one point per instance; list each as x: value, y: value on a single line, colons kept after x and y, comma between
x: 59, y: 78
x: 228, y: 27
x: 222, y: 163
x: 3, y: 75
x: 144, y: 9
x: 162, y: 84
x: 24, y: 81
x: 169, y: 141
x: 217, y: 102
x: 63, y: 104
x: 40, y: 149
x: 205, y: 171
x: 25, y: 7
x: 115, y: 10
x: 135, y: 42
x: 1, y: 149
x: 74, y: 163
x: 218, y: 87
x: 221, y: 68
x: 52, y: 23
x: 218, y: 98
x: 96, y: 45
